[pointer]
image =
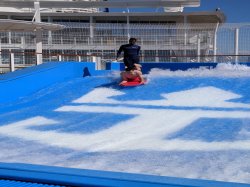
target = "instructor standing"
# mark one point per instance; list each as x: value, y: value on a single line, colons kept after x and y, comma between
x: 131, y: 54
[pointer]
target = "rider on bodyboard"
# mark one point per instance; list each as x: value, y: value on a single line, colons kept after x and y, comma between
x: 132, y: 71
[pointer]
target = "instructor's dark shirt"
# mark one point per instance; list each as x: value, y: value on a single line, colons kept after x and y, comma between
x: 130, y: 50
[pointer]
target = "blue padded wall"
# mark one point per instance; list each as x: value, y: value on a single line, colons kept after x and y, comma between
x: 26, y: 81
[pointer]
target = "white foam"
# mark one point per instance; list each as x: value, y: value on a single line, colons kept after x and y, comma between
x: 99, y: 95
x: 149, y: 127
x: 221, y: 70
x: 139, y: 143
x: 215, y: 97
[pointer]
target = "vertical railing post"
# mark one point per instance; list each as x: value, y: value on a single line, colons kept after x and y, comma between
x: 142, y: 55
x: 157, y: 59
x: 185, y: 38
x: 215, y: 43
x: 185, y: 46
x: 22, y: 42
x: 198, y: 48
x: 128, y: 27
x: 50, y: 20
x: 97, y: 61
x: 236, y: 45
x: 91, y: 29
x: 39, y: 46
x: 75, y: 41
x: 9, y: 38
x: 59, y: 58
x: 12, y: 62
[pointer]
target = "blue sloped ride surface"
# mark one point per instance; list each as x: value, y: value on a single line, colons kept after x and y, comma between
x: 179, y: 126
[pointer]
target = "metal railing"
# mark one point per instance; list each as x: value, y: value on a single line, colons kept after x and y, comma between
x: 11, y: 61
x: 160, y: 42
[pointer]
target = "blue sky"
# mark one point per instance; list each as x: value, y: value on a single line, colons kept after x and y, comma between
x: 235, y: 10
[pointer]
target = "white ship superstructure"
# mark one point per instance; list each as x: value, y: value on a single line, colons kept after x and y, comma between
x: 168, y: 35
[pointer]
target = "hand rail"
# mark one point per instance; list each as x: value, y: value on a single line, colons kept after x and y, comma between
x: 11, y: 56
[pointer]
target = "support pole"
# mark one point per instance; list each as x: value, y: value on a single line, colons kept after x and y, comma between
x: 59, y: 58
x: 215, y: 42
x: 50, y: 20
x: 185, y: 38
x: 198, y: 48
x: 39, y: 47
x: 236, y: 45
x: 157, y: 59
x: 12, y: 62
x: 91, y: 27
x: 9, y: 38
x: 128, y: 27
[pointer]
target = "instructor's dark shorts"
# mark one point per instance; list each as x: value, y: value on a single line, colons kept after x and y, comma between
x: 130, y: 61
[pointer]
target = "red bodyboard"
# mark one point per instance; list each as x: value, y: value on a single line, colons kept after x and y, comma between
x: 134, y: 82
